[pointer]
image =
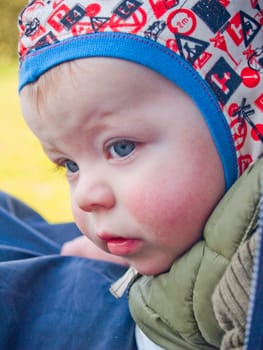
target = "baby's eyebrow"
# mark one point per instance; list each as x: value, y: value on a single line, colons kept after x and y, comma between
x: 49, y: 147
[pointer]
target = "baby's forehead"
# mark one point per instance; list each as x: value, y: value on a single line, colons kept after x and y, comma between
x: 100, y: 92
x: 110, y: 72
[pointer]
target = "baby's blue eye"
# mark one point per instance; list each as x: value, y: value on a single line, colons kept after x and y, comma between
x: 122, y: 148
x: 71, y: 166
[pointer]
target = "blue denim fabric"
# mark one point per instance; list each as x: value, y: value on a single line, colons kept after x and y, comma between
x: 254, y: 329
x: 50, y: 302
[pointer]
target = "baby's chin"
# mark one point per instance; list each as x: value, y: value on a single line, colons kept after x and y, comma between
x: 151, y: 269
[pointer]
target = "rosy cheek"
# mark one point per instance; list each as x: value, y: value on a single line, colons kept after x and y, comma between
x: 155, y: 206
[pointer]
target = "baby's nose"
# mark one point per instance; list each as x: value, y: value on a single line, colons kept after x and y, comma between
x: 91, y: 197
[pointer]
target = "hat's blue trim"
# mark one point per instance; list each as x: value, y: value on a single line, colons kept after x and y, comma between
x: 152, y: 55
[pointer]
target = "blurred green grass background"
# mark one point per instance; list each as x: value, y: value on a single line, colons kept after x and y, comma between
x: 25, y: 171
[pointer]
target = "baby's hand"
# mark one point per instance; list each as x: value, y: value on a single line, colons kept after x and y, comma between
x: 84, y: 247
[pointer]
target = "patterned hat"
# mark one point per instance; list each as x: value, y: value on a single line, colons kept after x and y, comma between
x: 212, y: 49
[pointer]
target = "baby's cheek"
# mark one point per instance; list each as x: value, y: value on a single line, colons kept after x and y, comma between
x: 79, y: 219
x: 154, y: 206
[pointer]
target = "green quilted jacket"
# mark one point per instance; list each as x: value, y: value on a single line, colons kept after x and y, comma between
x: 174, y: 309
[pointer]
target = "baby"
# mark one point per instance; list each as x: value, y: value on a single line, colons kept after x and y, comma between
x: 153, y: 108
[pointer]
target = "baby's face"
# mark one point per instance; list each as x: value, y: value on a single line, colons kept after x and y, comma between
x: 144, y: 174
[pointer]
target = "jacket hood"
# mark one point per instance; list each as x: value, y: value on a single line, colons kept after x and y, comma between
x: 211, y: 49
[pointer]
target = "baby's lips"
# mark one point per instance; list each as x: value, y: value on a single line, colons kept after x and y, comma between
x: 120, y: 245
